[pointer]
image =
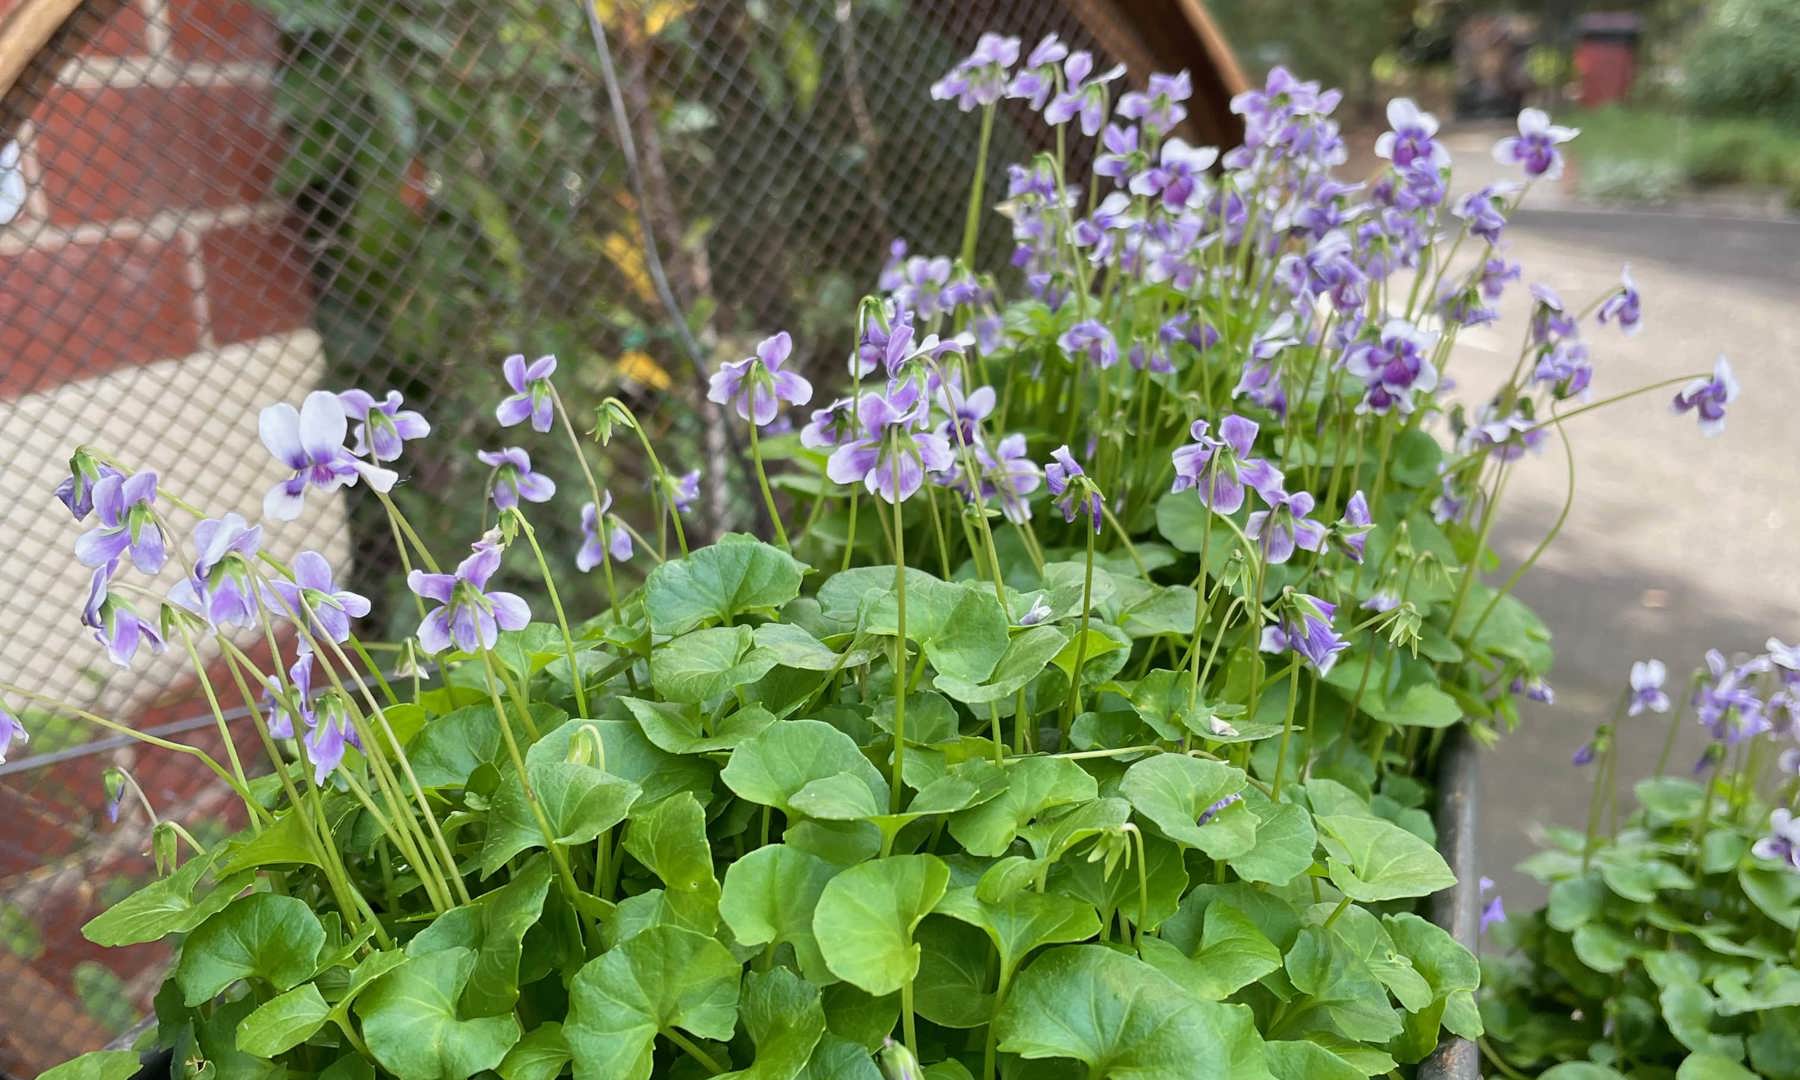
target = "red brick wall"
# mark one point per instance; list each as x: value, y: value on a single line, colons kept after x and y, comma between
x: 151, y: 231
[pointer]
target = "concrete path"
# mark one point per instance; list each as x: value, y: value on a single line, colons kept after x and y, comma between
x: 1676, y: 543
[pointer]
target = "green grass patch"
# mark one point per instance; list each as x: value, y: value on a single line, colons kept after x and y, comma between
x: 1623, y: 147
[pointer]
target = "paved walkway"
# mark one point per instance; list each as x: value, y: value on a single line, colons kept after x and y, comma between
x: 1676, y: 543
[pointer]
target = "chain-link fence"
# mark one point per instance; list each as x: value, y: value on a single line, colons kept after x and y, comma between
x: 218, y: 205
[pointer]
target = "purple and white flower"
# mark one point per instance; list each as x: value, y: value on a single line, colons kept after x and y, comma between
x: 1092, y: 340
x: 1218, y: 469
x: 310, y: 441
x: 1179, y: 174
x: 1351, y: 533
x: 1305, y: 627
x: 757, y: 385
x: 1009, y: 474
x: 1082, y: 96
x: 981, y: 77
x: 891, y: 456
x: 687, y: 491
x: 222, y: 589
x: 830, y: 426
x: 1037, y: 613
x: 1120, y: 157
x: 282, y: 707
x: 1158, y: 106
x: 1534, y: 689
x: 382, y: 427
x: 77, y: 489
x: 1624, y: 305
x: 1493, y: 910
x: 470, y: 617
x: 1535, y: 146
x: 1483, y: 210
x: 1037, y: 76
x: 11, y: 731
x: 1412, y: 137
x: 1707, y: 397
x: 1394, y: 366
x: 513, y: 478
x: 532, y: 398
x: 1647, y: 687
x: 594, y: 548
x: 1782, y: 845
x: 114, y: 623
x: 314, y: 590
x: 1284, y: 526
x: 126, y: 507
x: 1062, y: 474
x: 331, y: 735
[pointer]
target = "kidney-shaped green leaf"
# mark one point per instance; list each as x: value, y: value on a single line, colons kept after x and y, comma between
x: 865, y: 919
x: 1371, y: 860
x: 414, y: 1029
x: 737, y: 574
x: 266, y: 936
x: 658, y: 980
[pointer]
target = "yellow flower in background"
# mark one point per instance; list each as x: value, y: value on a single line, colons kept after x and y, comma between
x: 642, y: 368
x: 656, y: 14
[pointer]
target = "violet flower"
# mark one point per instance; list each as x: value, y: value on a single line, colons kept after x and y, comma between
x: 1707, y: 397
x: 1585, y: 754
x: 1782, y: 845
x: 221, y: 588
x: 1091, y: 339
x: 1038, y: 612
x: 513, y: 479
x: 1412, y: 136
x: 687, y: 491
x: 891, y: 456
x: 532, y: 398
x: 1565, y: 368
x: 1534, y: 147
x: 1178, y: 175
x: 313, y: 589
x: 980, y: 77
x: 310, y: 441
x: 889, y: 278
x: 1214, y: 810
x: 1495, y: 273
x: 383, y: 428
x: 830, y: 426
x: 1550, y: 317
x: 114, y: 623
x: 1493, y: 911
x: 882, y: 346
x: 757, y: 385
x: 126, y: 507
x: 1009, y: 474
x: 1219, y: 468
x: 331, y: 735
x: 1351, y: 533
x: 1625, y: 305
x: 77, y: 489
x: 617, y: 541
x: 1535, y: 689
x: 1725, y: 704
x: 11, y: 731
x: 1482, y: 210
x: 281, y: 707
x: 1305, y: 628
x: 1120, y: 157
x: 1284, y: 526
x: 964, y: 413
x: 1082, y: 97
x: 1393, y: 367
x: 1037, y: 76
x: 1647, y: 687
x: 1061, y: 476
x: 470, y: 617
x: 1158, y: 106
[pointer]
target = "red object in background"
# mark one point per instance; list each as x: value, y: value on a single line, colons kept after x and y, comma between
x: 1606, y: 56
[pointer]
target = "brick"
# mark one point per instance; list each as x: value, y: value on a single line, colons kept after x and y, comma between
x: 256, y: 281
x: 222, y: 31
x: 82, y: 309
x: 113, y: 28
x: 129, y: 152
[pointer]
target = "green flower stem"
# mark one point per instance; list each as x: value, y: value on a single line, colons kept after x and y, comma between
x: 662, y: 496
x: 899, y: 665
x: 373, y: 750
x: 1380, y: 485
x: 694, y: 1050
x: 1472, y: 569
x: 1287, y: 727
x: 768, y: 496
x: 562, y: 621
x: 972, y: 218
x: 399, y: 522
x: 212, y: 701
x: 311, y: 812
x: 1087, y: 604
x: 1125, y: 539
x: 937, y: 527
x: 1343, y: 902
x: 258, y: 815
x: 558, y: 857
x: 1603, y: 402
x: 1143, y: 876
x: 1668, y: 746
x: 850, y: 534
x: 909, y: 1023
x: 989, y: 1049
x: 1202, y: 597
x: 1524, y: 567
x: 374, y: 670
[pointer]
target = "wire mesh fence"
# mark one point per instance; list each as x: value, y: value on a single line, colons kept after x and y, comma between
x: 217, y: 205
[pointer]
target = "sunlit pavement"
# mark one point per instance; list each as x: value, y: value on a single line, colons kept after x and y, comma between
x: 1676, y: 542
